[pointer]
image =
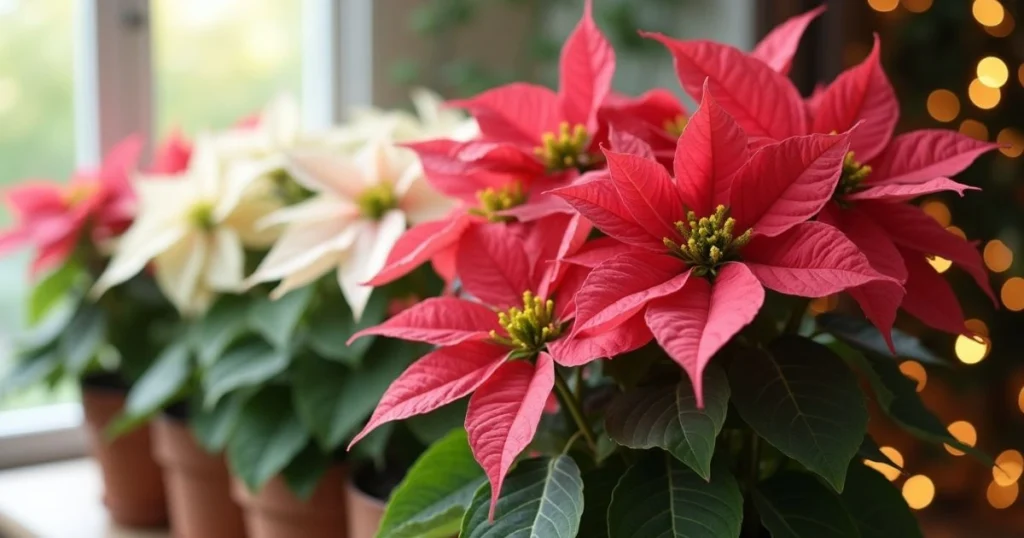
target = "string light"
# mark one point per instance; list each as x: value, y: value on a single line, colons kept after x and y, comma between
x: 983, y: 96
x: 938, y: 211
x: 988, y: 12
x: 940, y: 264
x: 1001, y: 497
x: 883, y: 6
x: 998, y: 257
x: 1013, y: 142
x: 888, y: 471
x: 1012, y: 294
x: 914, y: 370
x: 964, y: 432
x: 918, y: 491
x: 917, y: 6
x: 993, y: 72
x: 971, y: 349
x: 943, y: 105
x: 974, y: 129
x: 1008, y: 468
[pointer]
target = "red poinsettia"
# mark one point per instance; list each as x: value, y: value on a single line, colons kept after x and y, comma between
x: 703, y: 246
x: 501, y: 346
x: 171, y: 157
x: 880, y: 173
x: 53, y: 216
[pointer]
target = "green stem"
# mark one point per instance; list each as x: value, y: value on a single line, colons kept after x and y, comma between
x: 750, y: 476
x: 796, y: 317
x: 570, y: 403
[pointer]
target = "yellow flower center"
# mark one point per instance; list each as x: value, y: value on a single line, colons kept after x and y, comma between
x: 201, y: 216
x: 708, y: 241
x: 493, y: 201
x: 566, y: 149
x: 676, y: 126
x: 854, y: 173
x: 287, y: 189
x: 377, y: 200
x: 529, y: 327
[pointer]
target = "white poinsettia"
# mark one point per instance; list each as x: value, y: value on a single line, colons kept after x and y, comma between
x: 360, y: 206
x: 431, y: 120
x: 193, y: 228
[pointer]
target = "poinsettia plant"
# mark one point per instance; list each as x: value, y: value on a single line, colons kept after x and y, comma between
x: 627, y: 310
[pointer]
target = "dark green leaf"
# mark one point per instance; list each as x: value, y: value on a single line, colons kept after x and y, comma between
x: 161, y: 383
x: 856, y: 360
x: 83, y: 337
x: 667, y: 417
x: 29, y: 370
x: 51, y: 290
x: 214, y: 426
x: 801, y: 398
x: 331, y: 326
x: 371, y: 447
x: 221, y: 325
x: 540, y: 497
x: 859, y: 332
x: 266, y: 439
x: 276, y: 320
x: 598, y: 484
x: 432, y: 426
x: 431, y: 500
x: 796, y: 505
x: 877, y: 508
x: 305, y: 471
x: 246, y: 365
x: 659, y: 496
x: 869, y: 450
x: 48, y: 330
x: 631, y: 368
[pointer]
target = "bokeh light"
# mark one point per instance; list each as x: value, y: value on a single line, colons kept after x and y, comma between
x: 971, y: 349
x: 917, y: 6
x: 940, y: 264
x: 964, y: 432
x: 1008, y: 467
x: 1020, y: 400
x: 976, y: 326
x: 974, y: 129
x: 1002, y: 29
x: 883, y: 6
x: 982, y: 96
x: 955, y: 230
x: 820, y: 305
x: 888, y: 471
x: 988, y: 12
x: 993, y: 72
x: 1001, y: 497
x: 914, y: 370
x: 1014, y: 141
x: 918, y: 491
x: 943, y: 105
x: 938, y: 211
x: 998, y: 256
x: 1012, y: 294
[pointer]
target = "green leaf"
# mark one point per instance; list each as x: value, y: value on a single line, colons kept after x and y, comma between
x: 869, y: 450
x: 860, y: 333
x: 29, y: 370
x: 83, y: 337
x: 266, y: 439
x: 659, y: 496
x: 629, y: 369
x: 876, y: 506
x: 431, y: 427
x: 437, y: 490
x: 540, y: 497
x: 49, y: 330
x: 667, y: 417
x: 330, y: 327
x: 157, y: 387
x: 861, y: 364
x: 276, y: 320
x: 333, y: 400
x: 246, y: 365
x: 214, y: 426
x: 796, y: 505
x: 51, y: 290
x: 303, y: 474
x: 801, y: 398
x: 598, y: 484
x: 221, y: 325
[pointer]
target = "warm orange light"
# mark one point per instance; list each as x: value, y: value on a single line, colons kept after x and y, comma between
x: 1002, y: 29
x: 888, y: 471
x: 971, y: 349
x: 918, y: 491
x: 988, y: 12
x: 1013, y: 142
x: 993, y: 72
x: 940, y: 264
x: 1012, y: 294
x: 974, y: 129
x: 938, y: 211
x: 883, y: 6
x: 964, y: 432
x: 943, y: 105
x: 998, y: 256
x: 914, y: 370
x: 1020, y: 74
x: 976, y: 326
x: 1020, y: 400
x: 917, y: 6
x: 982, y: 96
x: 1001, y: 497
x: 955, y: 230
x: 1008, y: 468
x: 821, y: 305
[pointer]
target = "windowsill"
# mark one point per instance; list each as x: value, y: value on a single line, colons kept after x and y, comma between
x: 58, y: 500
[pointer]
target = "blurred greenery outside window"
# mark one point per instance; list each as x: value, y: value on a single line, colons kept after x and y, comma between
x: 214, y: 61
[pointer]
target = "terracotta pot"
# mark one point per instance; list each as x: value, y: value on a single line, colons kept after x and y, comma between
x: 275, y: 512
x: 198, y: 485
x: 133, y: 487
x: 365, y: 511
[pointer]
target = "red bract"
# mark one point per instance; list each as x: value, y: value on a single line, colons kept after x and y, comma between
x: 52, y: 217
x: 171, y: 157
x: 880, y: 173
x: 522, y: 310
x: 703, y: 246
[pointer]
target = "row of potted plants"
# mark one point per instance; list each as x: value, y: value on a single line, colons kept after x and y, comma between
x: 577, y: 314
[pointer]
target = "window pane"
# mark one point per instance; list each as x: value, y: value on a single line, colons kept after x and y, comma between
x: 36, y: 137
x: 220, y: 60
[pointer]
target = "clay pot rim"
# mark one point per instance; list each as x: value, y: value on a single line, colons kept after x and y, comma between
x: 103, y: 382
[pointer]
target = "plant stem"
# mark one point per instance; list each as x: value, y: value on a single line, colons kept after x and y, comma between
x: 751, y: 474
x: 796, y: 317
x: 570, y: 403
